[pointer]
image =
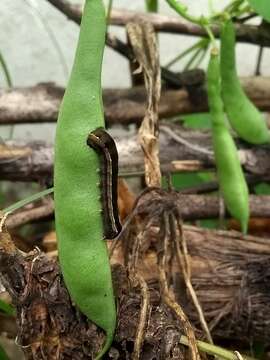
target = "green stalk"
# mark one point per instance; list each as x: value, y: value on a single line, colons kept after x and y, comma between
x: 201, y: 57
x: 199, y: 44
x: 192, y: 59
x: 233, y: 5
x: 5, y: 70
x: 183, y: 11
x: 28, y: 200
x: 9, y: 84
x: 230, y: 10
x: 202, y: 21
x: 109, y: 10
x: 151, y: 5
x: 214, y: 350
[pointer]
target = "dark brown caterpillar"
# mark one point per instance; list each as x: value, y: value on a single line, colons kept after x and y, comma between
x: 105, y: 146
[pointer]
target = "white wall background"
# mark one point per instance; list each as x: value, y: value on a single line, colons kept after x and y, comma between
x: 26, y: 31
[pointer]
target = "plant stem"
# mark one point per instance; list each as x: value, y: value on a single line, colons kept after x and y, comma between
x: 182, y: 10
x: 202, y: 43
x: 214, y: 350
x: 210, y: 34
x: 6, y: 71
x: 28, y: 200
x: 151, y: 5
x: 202, y: 21
x: 109, y: 9
x: 233, y: 5
x: 201, y: 57
x: 192, y: 59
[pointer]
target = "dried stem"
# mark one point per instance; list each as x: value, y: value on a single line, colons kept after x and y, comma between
x: 143, y: 317
x: 182, y: 257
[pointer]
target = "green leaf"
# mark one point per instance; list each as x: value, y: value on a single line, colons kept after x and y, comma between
x: 209, y: 223
x: 197, y: 121
x: 185, y: 180
x: 262, y: 189
x: 3, y: 355
x: 6, y: 308
x: 262, y: 7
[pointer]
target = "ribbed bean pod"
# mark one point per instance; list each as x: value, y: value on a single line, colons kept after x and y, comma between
x: 82, y: 249
x: 230, y: 175
x: 243, y: 115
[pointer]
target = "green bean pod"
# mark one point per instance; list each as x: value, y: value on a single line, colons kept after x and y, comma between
x: 82, y: 249
x: 230, y: 175
x: 243, y: 115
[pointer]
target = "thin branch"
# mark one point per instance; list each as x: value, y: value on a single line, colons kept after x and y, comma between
x: 245, y: 33
x: 26, y: 216
x: 192, y: 207
x: 259, y: 61
x: 33, y: 161
x: 41, y: 103
x: 169, y: 24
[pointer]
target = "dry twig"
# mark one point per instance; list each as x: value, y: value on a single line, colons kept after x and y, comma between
x: 144, y: 44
